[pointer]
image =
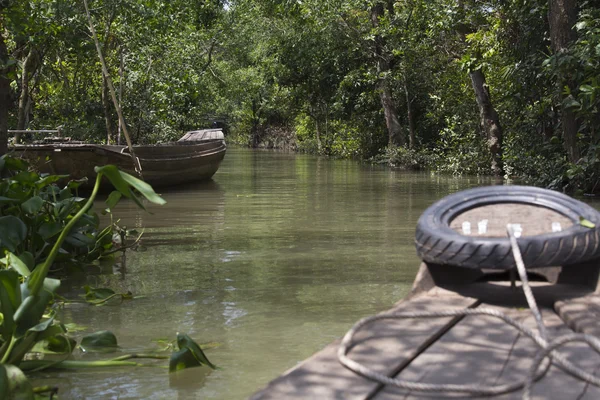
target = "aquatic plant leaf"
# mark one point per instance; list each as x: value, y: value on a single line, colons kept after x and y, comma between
x: 26, y: 177
x: 144, y: 188
x: 49, y: 179
x: 585, y: 223
x: 28, y: 259
x: 14, y: 384
x: 12, y: 232
x: 14, y: 164
x: 41, y: 331
x: 112, y: 174
x: 10, y: 300
x: 18, y: 265
x: 33, y: 205
x: 113, y: 199
x: 49, y: 229
x: 79, y: 240
x: 74, y: 184
x: 99, y: 341
x: 7, y: 200
x: 183, y: 359
x: 57, y: 344
x: 185, y: 342
x: 33, y: 306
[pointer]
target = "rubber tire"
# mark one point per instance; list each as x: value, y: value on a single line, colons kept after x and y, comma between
x: 437, y: 243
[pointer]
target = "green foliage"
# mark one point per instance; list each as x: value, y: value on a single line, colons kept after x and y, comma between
x: 99, y: 341
x: 26, y: 296
x: 268, y: 69
x: 35, y: 211
x: 188, y: 355
x: 407, y: 159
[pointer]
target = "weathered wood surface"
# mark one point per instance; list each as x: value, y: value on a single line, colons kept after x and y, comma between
x: 471, y: 350
x: 581, y: 314
x: 384, y: 346
x: 484, y: 350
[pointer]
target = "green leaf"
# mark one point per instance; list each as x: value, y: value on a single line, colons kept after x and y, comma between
x: 34, y: 305
x: 26, y: 177
x: 10, y: 300
x: 570, y: 102
x: 113, y: 199
x: 18, y: 265
x: 182, y: 359
x: 12, y: 232
x: 185, y: 342
x: 28, y: 259
x: 57, y: 344
x: 112, y: 173
x: 585, y: 223
x: 99, y: 341
x: 586, y: 88
x: 49, y: 179
x: 79, y: 240
x: 7, y: 200
x: 33, y: 205
x: 15, y: 164
x: 144, y: 188
x: 76, y: 183
x: 49, y: 229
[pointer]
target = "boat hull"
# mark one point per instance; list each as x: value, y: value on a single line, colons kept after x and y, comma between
x: 162, y: 165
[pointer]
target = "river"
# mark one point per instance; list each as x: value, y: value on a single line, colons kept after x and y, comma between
x: 269, y: 262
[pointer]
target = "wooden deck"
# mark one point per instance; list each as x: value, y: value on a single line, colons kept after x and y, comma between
x: 461, y: 350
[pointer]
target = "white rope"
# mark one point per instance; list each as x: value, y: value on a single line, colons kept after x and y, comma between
x: 546, y: 349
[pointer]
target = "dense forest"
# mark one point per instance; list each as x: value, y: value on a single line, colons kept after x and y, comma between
x: 502, y: 87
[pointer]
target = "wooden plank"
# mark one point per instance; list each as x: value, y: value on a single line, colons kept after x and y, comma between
x: 33, y: 131
x: 581, y: 314
x: 384, y: 346
x: 484, y: 350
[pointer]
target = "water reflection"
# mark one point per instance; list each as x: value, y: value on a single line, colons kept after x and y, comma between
x: 275, y: 258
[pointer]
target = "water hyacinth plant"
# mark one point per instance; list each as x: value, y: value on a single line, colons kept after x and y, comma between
x: 41, y: 225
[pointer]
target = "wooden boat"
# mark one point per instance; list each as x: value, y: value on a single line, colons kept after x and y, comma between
x: 195, y: 157
x: 450, y: 337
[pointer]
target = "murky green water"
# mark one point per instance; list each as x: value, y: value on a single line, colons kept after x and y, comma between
x: 274, y: 259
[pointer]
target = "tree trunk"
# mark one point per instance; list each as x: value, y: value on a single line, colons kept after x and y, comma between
x: 29, y: 66
x: 562, y: 16
x: 490, y: 122
x: 318, y: 133
x: 391, y: 115
x: 121, y: 83
x: 4, y: 96
x: 411, y: 118
x: 383, y: 68
x: 106, y: 104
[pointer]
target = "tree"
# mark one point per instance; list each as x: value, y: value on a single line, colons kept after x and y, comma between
x: 562, y: 16
x: 4, y: 94
x: 468, y: 25
x: 383, y: 60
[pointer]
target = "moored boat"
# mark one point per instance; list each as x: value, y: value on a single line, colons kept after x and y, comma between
x: 191, y: 159
x: 466, y: 329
